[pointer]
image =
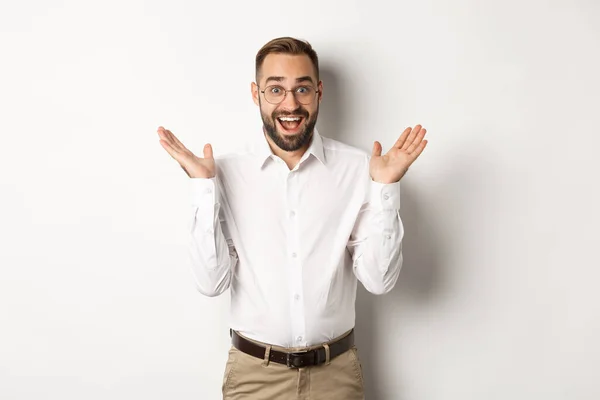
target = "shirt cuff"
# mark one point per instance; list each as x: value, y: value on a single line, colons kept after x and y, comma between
x: 385, y: 195
x: 203, y: 192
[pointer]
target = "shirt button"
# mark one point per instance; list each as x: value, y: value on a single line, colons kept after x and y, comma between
x: 209, y: 231
x: 293, y: 213
x: 208, y: 190
x: 386, y: 196
x: 297, y: 297
x: 299, y: 339
x: 388, y: 236
x: 294, y: 255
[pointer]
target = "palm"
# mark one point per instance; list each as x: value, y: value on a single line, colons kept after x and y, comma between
x: 392, y: 166
x: 194, y: 167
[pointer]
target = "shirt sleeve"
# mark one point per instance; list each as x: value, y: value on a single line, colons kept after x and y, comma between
x: 211, y: 249
x: 376, y: 240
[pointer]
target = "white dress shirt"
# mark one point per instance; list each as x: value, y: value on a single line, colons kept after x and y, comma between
x: 290, y: 244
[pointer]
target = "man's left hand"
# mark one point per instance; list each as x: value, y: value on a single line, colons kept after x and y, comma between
x: 392, y: 166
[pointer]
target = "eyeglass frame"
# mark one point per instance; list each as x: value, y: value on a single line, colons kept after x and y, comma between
x: 317, y: 91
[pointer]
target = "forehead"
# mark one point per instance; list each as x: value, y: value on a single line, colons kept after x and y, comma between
x: 287, y: 65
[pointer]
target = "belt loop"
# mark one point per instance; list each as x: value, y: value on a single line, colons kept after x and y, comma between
x: 327, y: 358
x: 265, y: 362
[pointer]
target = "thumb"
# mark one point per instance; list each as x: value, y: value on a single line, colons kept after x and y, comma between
x: 376, y: 148
x: 208, y: 151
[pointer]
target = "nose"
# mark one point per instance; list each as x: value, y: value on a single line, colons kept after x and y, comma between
x: 289, y: 102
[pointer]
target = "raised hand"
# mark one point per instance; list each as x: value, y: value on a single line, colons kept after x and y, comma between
x: 392, y: 166
x: 194, y: 167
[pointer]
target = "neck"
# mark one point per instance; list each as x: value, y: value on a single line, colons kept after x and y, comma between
x: 291, y: 158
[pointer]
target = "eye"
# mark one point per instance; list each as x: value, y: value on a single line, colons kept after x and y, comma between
x: 275, y: 90
x: 303, y: 90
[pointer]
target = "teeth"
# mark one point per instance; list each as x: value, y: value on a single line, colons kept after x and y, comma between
x: 289, y: 119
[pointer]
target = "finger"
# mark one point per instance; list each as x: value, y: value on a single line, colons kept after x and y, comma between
x: 402, y: 138
x: 177, y: 156
x: 168, y: 136
x: 418, y: 140
x: 411, y: 137
x: 169, y: 149
x: 208, y: 151
x: 417, y: 152
x: 163, y: 134
x: 172, y: 135
x: 160, y: 131
x: 376, y: 149
x: 176, y: 141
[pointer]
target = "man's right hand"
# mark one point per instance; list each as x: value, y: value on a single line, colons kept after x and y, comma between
x: 194, y: 167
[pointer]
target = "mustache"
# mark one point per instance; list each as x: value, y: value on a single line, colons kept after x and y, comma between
x: 298, y: 112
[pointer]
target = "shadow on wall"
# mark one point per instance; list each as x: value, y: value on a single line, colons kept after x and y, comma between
x: 334, y: 107
x: 421, y: 271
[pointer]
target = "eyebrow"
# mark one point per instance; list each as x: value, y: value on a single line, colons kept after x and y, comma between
x: 281, y: 78
x: 304, y: 78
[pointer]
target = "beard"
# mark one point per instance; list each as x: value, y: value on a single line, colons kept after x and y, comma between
x: 290, y: 142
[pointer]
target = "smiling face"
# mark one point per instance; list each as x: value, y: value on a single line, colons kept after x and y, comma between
x: 289, y: 124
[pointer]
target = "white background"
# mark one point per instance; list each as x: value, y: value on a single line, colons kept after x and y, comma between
x: 498, y: 295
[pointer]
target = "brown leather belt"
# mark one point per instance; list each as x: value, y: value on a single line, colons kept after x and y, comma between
x: 298, y: 359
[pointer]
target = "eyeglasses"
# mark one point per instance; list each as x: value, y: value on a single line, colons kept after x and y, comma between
x: 275, y: 94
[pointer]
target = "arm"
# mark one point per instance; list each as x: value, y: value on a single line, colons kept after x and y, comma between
x: 211, y: 249
x: 376, y: 240
x: 210, y: 246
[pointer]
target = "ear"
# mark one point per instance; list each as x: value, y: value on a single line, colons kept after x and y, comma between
x: 320, y: 88
x: 255, y: 94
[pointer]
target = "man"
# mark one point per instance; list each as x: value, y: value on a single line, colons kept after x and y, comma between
x: 289, y: 225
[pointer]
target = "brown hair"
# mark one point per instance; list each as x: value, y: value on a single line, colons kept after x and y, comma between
x: 287, y: 45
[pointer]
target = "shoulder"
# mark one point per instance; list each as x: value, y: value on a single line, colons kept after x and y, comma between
x: 234, y: 153
x: 336, y: 149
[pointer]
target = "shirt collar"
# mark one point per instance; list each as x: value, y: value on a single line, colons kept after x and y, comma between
x: 263, y: 151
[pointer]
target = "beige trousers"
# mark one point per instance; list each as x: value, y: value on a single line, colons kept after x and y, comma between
x: 250, y: 378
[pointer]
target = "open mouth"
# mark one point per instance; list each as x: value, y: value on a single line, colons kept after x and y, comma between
x: 290, y: 124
